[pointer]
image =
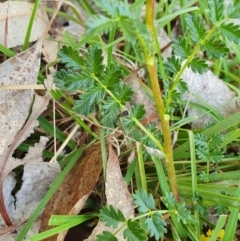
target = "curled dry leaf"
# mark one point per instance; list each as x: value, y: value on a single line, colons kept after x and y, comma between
x: 15, y: 105
x: 49, y: 51
x: 37, y: 176
x: 18, y: 15
x: 7, y: 162
x: 117, y: 195
x: 75, y: 189
x: 208, y: 90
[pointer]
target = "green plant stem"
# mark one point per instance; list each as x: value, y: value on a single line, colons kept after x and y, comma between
x: 137, y: 122
x: 189, y: 59
x: 164, y: 118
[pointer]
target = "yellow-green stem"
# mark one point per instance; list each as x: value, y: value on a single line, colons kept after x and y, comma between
x: 164, y: 118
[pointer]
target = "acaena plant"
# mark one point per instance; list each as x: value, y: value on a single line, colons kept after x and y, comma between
x: 103, y: 91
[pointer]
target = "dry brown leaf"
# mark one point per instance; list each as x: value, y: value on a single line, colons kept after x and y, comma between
x: 117, y: 194
x: 7, y: 162
x: 75, y: 189
x: 18, y: 15
x: 15, y: 105
x: 37, y: 176
x: 49, y: 51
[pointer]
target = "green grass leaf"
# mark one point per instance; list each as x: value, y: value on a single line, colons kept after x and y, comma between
x: 216, y: 8
x: 134, y: 232
x: 106, y: 236
x: 110, y: 216
x: 215, y: 49
x: 231, y: 31
x: 181, y: 47
x: 156, y: 225
x: 198, y: 65
x: 196, y: 27
x: 234, y: 10
x: 70, y: 57
x: 144, y: 201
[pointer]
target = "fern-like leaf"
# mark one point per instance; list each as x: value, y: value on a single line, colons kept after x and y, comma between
x: 134, y: 232
x: 234, y: 10
x: 106, y: 236
x: 231, y: 31
x: 89, y: 100
x: 198, y: 65
x: 216, y: 8
x: 181, y: 47
x: 110, y: 112
x: 70, y: 58
x: 111, y: 76
x: 93, y: 61
x: 130, y: 33
x: 82, y: 107
x: 196, y: 27
x: 156, y: 225
x: 137, y: 112
x: 173, y: 65
x: 215, y: 48
x: 201, y: 140
x: 216, y: 141
x: 72, y: 81
x: 123, y: 93
x: 93, y: 95
x: 184, y: 215
x: 99, y: 24
x: 143, y: 200
x: 110, y: 216
x: 114, y: 8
